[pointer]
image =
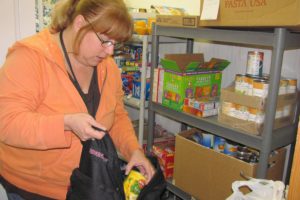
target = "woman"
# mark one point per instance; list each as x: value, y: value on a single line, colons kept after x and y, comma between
x: 51, y: 86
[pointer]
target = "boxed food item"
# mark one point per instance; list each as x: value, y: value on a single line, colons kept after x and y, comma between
x: 188, y: 76
x: 143, y: 22
x: 207, y: 174
x: 165, y: 154
x: 157, y: 86
x: 201, y: 108
x: 136, y: 89
x: 260, y: 13
x: 246, y: 112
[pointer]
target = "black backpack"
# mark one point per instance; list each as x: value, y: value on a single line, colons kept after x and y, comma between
x: 99, y: 176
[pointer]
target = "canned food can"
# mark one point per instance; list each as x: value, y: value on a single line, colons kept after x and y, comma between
x: 255, y: 63
x: 252, y: 114
x: 208, y: 140
x: 283, y: 86
x: 260, y: 88
x: 219, y: 144
x: 243, y: 153
x: 230, y: 148
x: 287, y: 110
x: 292, y: 86
x: 133, y: 184
x: 228, y: 108
x: 256, y: 115
x: 241, y: 85
x: 279, y: 113
x: 249, y: 79
x: 197, y: 137
x: 242, y: 112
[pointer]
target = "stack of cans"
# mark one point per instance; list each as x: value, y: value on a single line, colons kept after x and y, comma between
x: 227, y: 147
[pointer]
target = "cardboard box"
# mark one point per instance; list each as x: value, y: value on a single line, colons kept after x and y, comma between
x: 228, y: 95
x: 208, y: 175
x: 187, y: 75
x: 260, y: 13
x: 189, y: 21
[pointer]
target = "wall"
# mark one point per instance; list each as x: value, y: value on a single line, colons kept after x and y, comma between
x: 17, y: 20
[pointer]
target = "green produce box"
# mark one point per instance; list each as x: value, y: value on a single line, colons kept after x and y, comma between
x: 188, y: 76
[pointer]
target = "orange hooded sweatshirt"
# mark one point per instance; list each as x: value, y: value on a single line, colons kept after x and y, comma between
x: 36, y: 154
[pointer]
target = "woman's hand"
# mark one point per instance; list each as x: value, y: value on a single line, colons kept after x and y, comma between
x: 81, y: 124
x: 139, y: 160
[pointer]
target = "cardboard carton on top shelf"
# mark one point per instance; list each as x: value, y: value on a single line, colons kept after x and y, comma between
x: 189, y: 21
x: 189, y: 72
x: 256, y: 13
x: 228, y: 95
x: 207, y: 174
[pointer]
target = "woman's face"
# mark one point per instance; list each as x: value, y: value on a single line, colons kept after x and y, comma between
x: 92, y: 51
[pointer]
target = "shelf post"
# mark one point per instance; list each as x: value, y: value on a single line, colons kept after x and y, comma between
x: 275, y: 73
x: 154, y: 63
x: 190, y: 45
x: 189, y: 49
x: 143, y: 89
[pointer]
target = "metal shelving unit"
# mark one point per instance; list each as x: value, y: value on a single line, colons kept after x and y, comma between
x: 278, y: 39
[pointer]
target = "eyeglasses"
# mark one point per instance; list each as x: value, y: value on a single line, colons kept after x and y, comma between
x: 106, y: 43
x: 109, y: 43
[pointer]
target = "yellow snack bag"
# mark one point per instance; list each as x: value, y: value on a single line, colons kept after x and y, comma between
x: 133, y: 185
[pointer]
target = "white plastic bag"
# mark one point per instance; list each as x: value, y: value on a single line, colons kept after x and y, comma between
x: 260, y: 190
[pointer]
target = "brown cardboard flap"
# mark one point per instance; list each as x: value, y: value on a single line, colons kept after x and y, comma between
x: 228, y: 94
x: 183, y: 60
x: 276, y: 165
x: 251, y: 127
x: 247, y: 126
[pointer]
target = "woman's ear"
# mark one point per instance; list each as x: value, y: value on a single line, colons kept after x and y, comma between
x: 79, y: 22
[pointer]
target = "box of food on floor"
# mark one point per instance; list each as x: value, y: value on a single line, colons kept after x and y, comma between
x: 208, y: 174
x: 165, y: 154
